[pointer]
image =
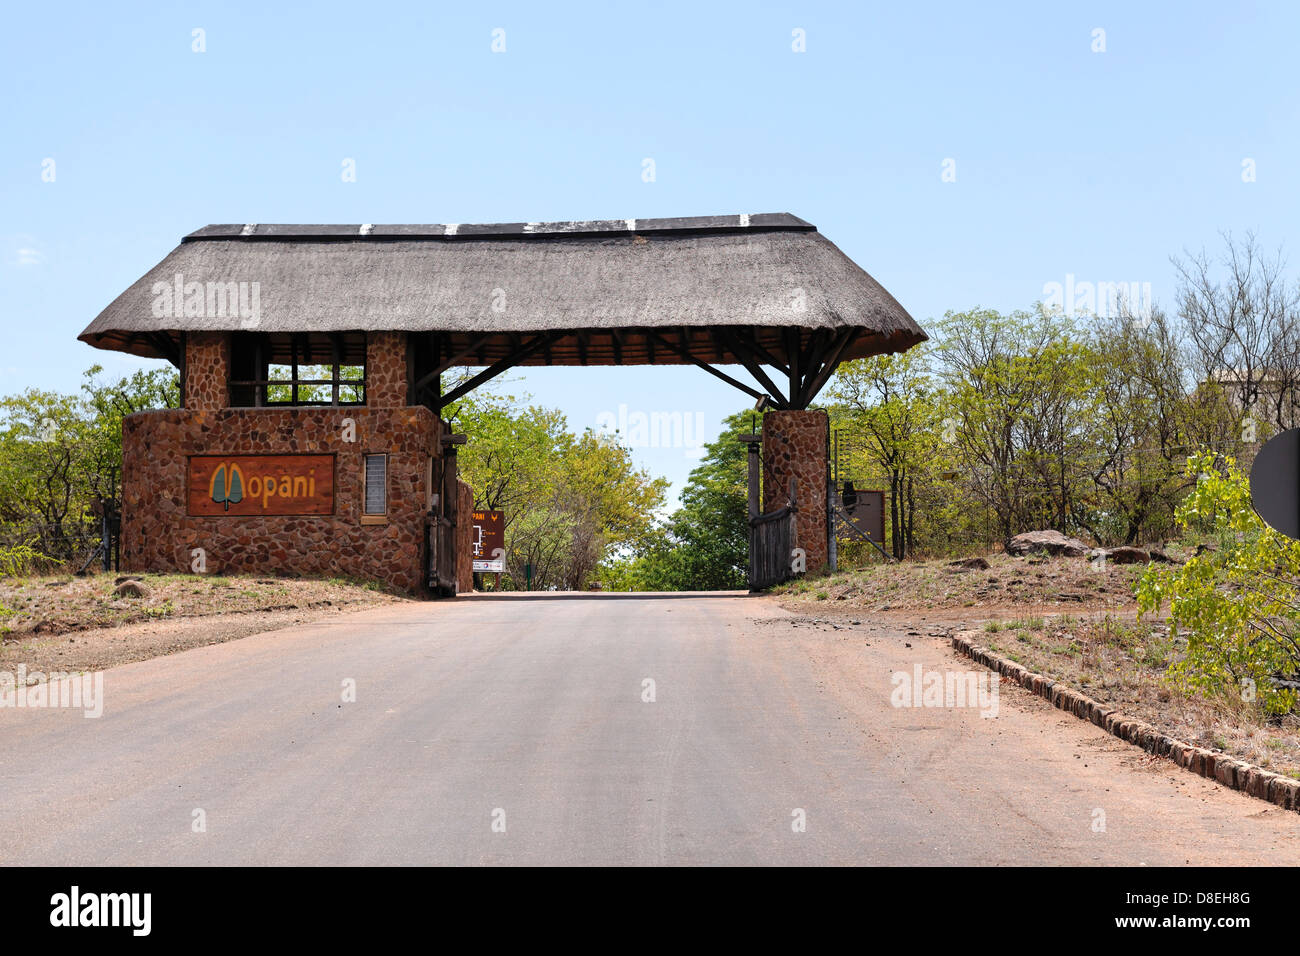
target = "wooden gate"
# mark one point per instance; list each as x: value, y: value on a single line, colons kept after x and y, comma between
x: 772, y: 536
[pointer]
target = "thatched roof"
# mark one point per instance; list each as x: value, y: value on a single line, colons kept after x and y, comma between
x: 607, y: 282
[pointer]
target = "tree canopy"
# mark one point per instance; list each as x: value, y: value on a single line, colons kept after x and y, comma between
x: 569, y: 500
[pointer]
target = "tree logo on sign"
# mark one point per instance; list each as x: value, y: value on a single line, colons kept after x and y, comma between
x: 227, y: 485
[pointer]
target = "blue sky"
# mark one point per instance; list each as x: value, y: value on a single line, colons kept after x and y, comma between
x: 1099, y: 165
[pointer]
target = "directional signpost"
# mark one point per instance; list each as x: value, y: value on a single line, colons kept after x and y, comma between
x: 489, y: 541
x: 1275, y: 483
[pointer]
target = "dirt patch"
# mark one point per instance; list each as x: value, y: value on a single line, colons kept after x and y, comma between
x: 1038, y: 767
x: 78, y: 624
x: 1070, y: 619
x: 1112, y: 657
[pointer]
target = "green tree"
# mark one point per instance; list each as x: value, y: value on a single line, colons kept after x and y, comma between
x: 111, y: 401
x: 510, y: 457
x: 889, y: 401
x: 1020, y: 389
x: 704, y: 544
x: 47, y: 455
x: 59, y: 453
x: 1142, y: 426
x: 569, y: 500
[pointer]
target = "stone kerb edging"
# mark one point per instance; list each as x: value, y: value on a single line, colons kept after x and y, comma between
x: 1254, y: 781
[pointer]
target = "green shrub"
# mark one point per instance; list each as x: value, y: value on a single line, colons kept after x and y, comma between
x: 20, y: 560
x: 1237, y: 604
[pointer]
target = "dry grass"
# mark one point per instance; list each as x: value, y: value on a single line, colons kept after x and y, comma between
x: 1122, y: 663
x: 53, y: 605
x: 69, y: 625
x: 1007, y: 583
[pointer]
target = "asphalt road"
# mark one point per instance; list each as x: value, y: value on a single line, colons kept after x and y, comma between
x: 529, y: 714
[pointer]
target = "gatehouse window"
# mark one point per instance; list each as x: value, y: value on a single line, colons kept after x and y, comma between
x: 374, y: 484
x: 273, y: 369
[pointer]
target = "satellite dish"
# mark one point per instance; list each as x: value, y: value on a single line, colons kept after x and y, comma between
x: 1275, y: 483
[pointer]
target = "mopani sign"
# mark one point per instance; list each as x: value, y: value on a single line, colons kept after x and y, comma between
x: 261, y: 485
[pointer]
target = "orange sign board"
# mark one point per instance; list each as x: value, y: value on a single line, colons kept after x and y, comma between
x: 241, y: 485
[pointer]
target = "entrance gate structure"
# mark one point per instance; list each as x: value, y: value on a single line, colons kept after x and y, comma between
x: 328, y: 344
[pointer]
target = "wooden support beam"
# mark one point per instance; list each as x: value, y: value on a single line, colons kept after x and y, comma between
x: 163, y: 343
x: 836, y: 348
x: 184, y: 366
x: 706, y: 366
x: 792, y: 348
x: 747, y: 359
x: 449, y: 361
x: 260, y: 368
x: 809, y: 363
x: 334, y: 368
x: 293, y: 369
x: 439, y: 350
x: 496, y: 368
x: 767, y: 357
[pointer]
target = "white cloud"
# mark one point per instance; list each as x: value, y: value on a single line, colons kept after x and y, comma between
x: 22, y: 249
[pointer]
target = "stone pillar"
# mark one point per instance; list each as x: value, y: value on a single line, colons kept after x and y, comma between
x: 207, y: 370
x: 794, y: 446
x: 386, y: 385
x: 464, y: 538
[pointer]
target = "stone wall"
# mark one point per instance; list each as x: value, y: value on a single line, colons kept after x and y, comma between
x: 386, y: 385
x: 207, y: 370
x: 464, y: 538
x: 158, y: 533
x: 794, y: 445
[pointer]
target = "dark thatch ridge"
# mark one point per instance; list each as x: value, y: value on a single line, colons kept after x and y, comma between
x: 605, y: 282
